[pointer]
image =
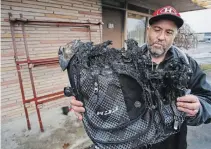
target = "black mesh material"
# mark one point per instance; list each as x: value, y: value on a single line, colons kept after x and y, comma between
x: 128, y: 104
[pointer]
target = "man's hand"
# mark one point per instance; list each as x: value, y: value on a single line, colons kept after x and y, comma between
x: 189, y: 104
x: 77, y: 107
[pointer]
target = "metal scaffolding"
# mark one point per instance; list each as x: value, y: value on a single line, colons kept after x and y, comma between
x: 38, y: 100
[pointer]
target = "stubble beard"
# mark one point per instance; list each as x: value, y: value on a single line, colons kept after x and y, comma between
x: 156, y: 52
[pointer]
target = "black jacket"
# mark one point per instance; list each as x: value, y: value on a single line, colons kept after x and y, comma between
x: 199, y: 87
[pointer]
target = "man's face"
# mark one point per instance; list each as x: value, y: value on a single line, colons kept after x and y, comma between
x: 160, y: 37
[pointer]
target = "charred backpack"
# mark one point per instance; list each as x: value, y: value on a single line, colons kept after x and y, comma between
x: 128, y: 103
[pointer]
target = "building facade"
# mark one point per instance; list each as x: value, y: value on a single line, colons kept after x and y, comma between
x: 31, y: 33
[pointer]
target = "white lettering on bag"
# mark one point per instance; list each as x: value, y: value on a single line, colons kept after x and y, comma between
x: 107, y: 112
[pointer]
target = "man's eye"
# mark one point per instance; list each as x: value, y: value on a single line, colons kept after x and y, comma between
x: 169, y: 32
x: 156, y: 29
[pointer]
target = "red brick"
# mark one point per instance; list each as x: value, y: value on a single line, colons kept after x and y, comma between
x: 13, y: 0
x: 89, y: 1
x: 40, y: 3
x: 5, y: 7
x: 53, y: 41
x: 51, y: 19
x: 96, y: 6
x: 86, y: 7
x: 60, y: 9
x: 96, y: 11
x: 50, y: 89
x: 9, y: 82
x: 90, y: 13
x: 73, y: 8
x: 80, y: 29
x: 85, y: 4
x: 31, y: 9
x: 22, y: 5
x: 11, y: 105
x: 11, y: 53
x: 11, y: 109
x: 60, y: 16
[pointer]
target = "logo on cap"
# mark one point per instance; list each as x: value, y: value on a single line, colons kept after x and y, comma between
x: 168, y: 10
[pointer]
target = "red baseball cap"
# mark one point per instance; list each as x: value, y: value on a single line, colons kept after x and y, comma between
x: 167, y: 13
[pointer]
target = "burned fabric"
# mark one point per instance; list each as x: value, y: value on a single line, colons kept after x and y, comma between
x: 128, y: 103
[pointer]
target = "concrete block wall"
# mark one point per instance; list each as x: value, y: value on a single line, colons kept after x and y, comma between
x: 43, y: 42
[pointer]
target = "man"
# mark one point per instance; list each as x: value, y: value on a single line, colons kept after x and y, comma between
x: 161, y: 33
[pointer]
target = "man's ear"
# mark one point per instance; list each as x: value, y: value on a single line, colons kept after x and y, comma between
x: 176, y: 32
x: 147, y: 30
x: 148, y: 27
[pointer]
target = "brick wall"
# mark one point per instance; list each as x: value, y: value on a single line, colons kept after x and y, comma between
x: 43, y: 42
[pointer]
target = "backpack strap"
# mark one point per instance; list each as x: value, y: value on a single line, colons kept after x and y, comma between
x: 74, y: 78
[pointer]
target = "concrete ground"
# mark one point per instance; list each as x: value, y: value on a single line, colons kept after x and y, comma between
x: 59, y: 130
x: 66, y: 132
x: 199, y: 137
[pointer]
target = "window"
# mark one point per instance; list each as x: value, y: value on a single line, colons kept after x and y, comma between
x: 136, y: 27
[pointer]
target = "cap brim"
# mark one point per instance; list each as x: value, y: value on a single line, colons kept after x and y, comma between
x: 177, y: 20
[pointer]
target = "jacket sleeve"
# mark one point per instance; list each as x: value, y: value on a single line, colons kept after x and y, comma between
x: 202, y: 89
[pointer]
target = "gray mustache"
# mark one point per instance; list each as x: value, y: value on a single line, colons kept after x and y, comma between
x: 158, y: 44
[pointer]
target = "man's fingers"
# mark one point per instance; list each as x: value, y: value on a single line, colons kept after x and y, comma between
x: 75, y: 102
x: 189, y: 115
x: 188, y: 105
x: 188, y: 111
x: 78, y: 109
x: 188, y: 98
x: 78, y: 115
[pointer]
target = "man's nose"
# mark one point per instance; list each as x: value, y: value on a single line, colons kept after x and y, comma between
x: 161, y: 36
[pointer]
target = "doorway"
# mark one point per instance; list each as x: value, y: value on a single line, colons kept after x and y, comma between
x: 113, y: 27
